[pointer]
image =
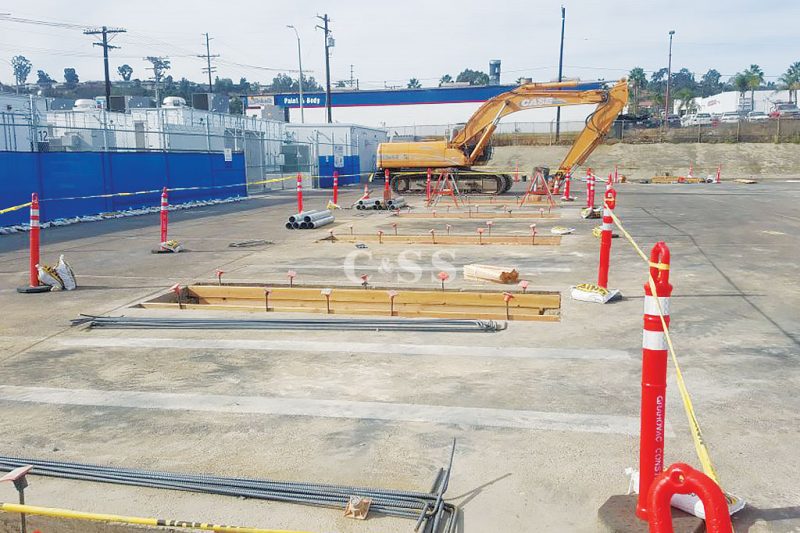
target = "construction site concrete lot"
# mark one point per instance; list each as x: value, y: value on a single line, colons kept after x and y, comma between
x: 546, y: 414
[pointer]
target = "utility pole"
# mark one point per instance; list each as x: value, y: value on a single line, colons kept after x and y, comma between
x: 669, y: 79
x: 104, y: 31
x: 158, y: 72
x: 328, y: 44
x: 560, y: 69
x: 208, y: 57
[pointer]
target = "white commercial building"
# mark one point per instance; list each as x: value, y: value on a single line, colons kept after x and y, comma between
x: 735, y: 102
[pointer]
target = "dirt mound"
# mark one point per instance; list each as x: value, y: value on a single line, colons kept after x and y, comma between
x: 743, y: 160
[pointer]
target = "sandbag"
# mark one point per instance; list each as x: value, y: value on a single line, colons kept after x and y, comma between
x: 48, y: 276
x: 66, y: 274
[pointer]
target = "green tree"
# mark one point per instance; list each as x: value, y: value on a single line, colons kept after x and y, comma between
x: 686, y: 98
x: 43, y: 79
x: 244, y: 85
x: 755, y: 77
x: 71, y: 77
x: 235, y: 106
x: 791, y: 80
x: 658, y: 81
x: 447, y: 78
x: 709, y: 83
x: 638, y: 80
x: 341, y: 84
x: 160, y: 65
x: 414, y: 83
x: 223, y: 85
x: 125, y: 71
x: 282, y: 83
x: 740, y: 83
x: 473, y: 77
x: 22, y: 68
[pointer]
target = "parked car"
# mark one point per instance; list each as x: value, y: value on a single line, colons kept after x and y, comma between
x: 698, y: 119
x: 730, y: 118
x: 785, y: 111
x: 757, y: 116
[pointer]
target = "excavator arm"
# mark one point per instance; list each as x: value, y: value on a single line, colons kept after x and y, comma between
x: 475, y: 135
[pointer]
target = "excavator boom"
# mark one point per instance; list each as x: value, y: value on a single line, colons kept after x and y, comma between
x: 468, y: 147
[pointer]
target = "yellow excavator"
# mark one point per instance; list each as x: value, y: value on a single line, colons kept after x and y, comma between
x: 408, y: 162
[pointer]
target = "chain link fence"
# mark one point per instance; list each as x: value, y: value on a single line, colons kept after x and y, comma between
x: 773, y: 130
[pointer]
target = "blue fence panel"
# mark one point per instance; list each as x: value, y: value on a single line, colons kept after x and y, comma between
x: 348, y: 174
x: 57, y: 175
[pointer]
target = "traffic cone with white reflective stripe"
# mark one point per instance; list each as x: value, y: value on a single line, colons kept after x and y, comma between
x: 33, y: 274
x: 654, y: 375
x: 167, y: 246
x: 609, y: 203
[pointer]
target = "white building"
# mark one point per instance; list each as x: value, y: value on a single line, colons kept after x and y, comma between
x: 734, y: 102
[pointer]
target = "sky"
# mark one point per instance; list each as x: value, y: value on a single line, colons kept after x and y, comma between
x: 389, y: 42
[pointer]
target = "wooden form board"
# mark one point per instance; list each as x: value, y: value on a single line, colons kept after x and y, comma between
x: 507, y: 201
x: 478, y: 215
x: 443, y: 238
x: 375, y: 302
x: 664, y: 180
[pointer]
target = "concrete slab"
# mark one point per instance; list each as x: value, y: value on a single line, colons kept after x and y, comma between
x: 734, y: 256
x: 617, y: 515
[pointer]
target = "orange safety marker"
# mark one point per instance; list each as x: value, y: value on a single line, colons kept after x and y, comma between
x: 164, y: 215
x: 719, y: 172
x: 590, y: 182
x: 428, y: 186
x: 291, y: 275
x: 33, y: 270
x: 609, y: 204
x: 654, y: 377
x: 387, y: 191
x: 443, y: 276
x: 336, y: 187
x: 567, y: 183
x: 218, y: 272
x: 299, y: 192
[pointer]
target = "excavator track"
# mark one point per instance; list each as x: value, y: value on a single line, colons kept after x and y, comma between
x: 411, y: 181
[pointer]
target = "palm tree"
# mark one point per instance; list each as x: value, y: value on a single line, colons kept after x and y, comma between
x: 447, y: 78
x: 686, y: 97
x: 638, y: 79
x: 755, y: 77
x: 414, y: 83
x: 791, y: 80
x: 740, y: 83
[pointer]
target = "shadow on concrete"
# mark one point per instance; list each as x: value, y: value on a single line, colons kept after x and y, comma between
x: 750, y: 516
x: 470, y: 495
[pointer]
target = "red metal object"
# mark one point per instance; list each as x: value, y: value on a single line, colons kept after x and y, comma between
x: 590, y: 182
x: 654, y: 376
x: 335, y: 186
x: 219, y: 274
x: 34, y: 240
x: 691, y: 171
x: 443, y: 276
x: 428, y: 186
x: 605, y: 237
x: 299, y: 192
x: 567, y: 183
x: 719, y: 172
x: 387, y: 192
x: 681, y: 478
x: 523, y: 285
x: 516, y: 172
x: 291, y: 275
x: 164, y: 215
x: 616, y: 175
x: 533, y: 233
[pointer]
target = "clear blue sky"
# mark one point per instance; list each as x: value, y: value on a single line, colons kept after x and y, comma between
x: 394, y: 41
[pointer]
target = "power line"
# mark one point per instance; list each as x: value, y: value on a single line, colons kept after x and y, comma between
x: 208, y: 57
x: 105, y: 31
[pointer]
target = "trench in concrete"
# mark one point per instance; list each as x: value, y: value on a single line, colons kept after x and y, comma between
x: 444, y: 239
x: 409, y: 303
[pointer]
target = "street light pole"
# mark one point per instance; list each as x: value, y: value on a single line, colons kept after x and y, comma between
x: 560, y: 70
x: 300, y: 83
x: 669, y: 80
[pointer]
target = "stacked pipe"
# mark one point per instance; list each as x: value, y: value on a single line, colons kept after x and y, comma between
x: 379, y: 204
x: 427, y: 507
x: 310, y: 219
x: 369, y: 203
x: 396, y: 203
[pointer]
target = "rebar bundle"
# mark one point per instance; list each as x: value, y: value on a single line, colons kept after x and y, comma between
x: 426, y: 508
x: 439, y: 325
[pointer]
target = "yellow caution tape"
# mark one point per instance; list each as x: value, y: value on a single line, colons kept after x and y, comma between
x: 697, y: 435
x: 158, y: 522
x: 14, y: 208
x: 659, y: 266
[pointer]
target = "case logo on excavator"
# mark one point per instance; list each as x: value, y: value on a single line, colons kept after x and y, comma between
x: 540, y: 102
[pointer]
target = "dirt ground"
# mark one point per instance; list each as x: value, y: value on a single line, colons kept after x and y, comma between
x: 636, y: 161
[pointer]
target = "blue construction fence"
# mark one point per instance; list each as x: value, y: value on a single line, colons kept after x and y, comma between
x: 348, y: 174
x: 58, y: 175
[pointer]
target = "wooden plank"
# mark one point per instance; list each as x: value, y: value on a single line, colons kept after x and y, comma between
x: 522, y: 240
x: 545, y: 300
x: 478, y: 215
x: 483, y: 315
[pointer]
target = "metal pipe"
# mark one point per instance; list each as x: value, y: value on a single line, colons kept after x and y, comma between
x: 320, y: 222
x: 318, y: 215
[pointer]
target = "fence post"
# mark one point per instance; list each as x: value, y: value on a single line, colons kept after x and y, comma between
x: 654, y: 376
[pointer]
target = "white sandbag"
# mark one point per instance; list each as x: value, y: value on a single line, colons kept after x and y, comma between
x: 66, y: 274
x: 49, y: 276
